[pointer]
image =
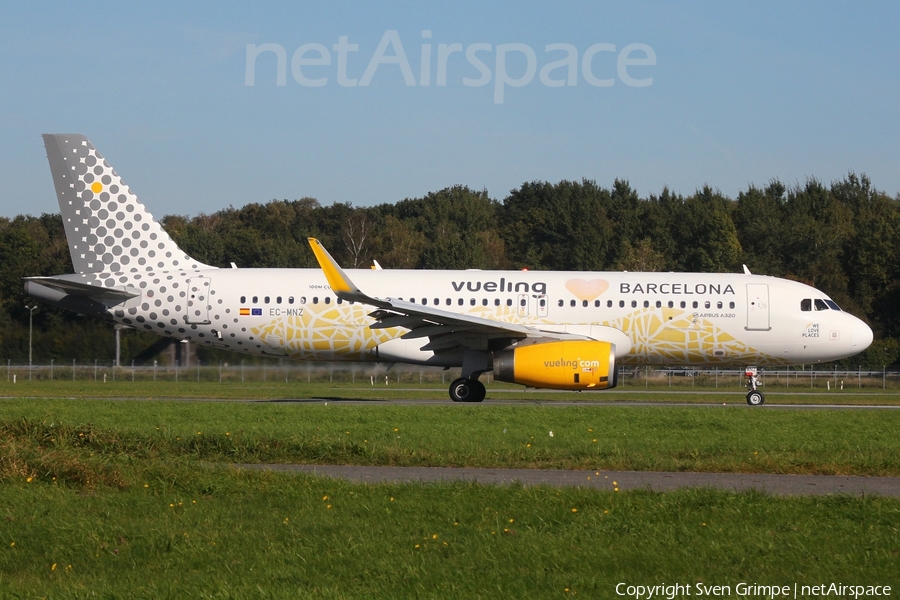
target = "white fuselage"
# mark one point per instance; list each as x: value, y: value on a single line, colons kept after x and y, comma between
x: 669, y: 318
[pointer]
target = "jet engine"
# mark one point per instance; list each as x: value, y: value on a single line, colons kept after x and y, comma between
x: 559, y: 365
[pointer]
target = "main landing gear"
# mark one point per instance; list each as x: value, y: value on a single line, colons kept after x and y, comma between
x: 754, y: 396
x: 467, y: 390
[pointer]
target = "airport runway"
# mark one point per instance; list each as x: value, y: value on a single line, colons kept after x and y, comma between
x: 781, y: 485
x: 735, y: 402
x: 564, y: 403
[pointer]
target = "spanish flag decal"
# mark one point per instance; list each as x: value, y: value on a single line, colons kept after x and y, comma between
x: 245, y: 312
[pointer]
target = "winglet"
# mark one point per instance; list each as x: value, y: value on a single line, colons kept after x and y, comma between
x: 340, y: 284
x: 335, y: 275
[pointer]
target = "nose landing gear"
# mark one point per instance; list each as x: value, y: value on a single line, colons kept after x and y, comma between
x: 754, y: 396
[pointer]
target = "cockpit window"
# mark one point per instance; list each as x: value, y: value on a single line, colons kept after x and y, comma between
x: 832, y: 304
x: 806, y: 305
x: 820, y: 305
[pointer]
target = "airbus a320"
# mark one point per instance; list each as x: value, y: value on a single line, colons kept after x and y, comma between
x: 557, y: 330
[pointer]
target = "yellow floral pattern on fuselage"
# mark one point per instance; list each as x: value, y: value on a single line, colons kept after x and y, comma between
x: 662, y: 336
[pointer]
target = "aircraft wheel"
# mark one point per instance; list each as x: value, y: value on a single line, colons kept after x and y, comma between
x: 479, y: 391
x: 467, y: 390
x: 755, y: 398
x: 461, y: 390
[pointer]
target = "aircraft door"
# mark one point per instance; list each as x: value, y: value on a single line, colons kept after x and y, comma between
x: 758, y: 307
x: 198, y: 300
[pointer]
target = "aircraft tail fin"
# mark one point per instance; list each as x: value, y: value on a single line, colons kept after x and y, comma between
x: 107, y: 227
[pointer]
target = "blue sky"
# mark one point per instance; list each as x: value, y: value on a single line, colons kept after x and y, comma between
x: 739, y: 93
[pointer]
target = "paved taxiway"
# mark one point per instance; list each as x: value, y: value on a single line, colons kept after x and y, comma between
x: 624, y: 480
x: 782, y: 485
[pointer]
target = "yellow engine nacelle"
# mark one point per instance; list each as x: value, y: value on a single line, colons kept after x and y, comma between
x: 575, y: 365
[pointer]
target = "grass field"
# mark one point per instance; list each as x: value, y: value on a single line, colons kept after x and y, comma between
x: 740, y: 439
x: 134, y: 499
x: 196, y: 533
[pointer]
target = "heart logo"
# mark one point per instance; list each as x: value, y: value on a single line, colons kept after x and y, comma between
x: 587, y: 290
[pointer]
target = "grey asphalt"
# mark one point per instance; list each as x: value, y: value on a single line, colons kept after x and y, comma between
x: 737, y: 402
x: 781, y: 485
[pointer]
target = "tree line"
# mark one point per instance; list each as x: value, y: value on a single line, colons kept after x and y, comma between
x: 842, y: 238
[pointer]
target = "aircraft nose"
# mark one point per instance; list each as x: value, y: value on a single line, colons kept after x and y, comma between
x: 860, y: 336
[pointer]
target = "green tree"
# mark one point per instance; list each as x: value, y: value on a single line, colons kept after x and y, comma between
x: 563, y: 227
x: 759, y: 218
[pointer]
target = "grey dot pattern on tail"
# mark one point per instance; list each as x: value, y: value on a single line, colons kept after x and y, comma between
x: 114, y: 232
x: 115, y: 241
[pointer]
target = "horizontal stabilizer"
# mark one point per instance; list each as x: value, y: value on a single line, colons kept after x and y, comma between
x: 109, y: 296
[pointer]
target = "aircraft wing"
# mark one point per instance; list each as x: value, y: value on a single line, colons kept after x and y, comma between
x: 445, y: 329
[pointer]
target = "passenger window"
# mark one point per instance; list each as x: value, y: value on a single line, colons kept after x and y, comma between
x: 584, y: 303
x: 806, y: 305
x: 621, y: 304
x: 820, y: 305
x: 509, y: 301
x: 683, y: 304
x: 671, y: 304
x: 255, y: 299
x: 315, y: 299
x: 695, y: 305
x: 437, y: 301
x: 731, y: 305
x: 609, y: 304
x: 571, y: 303
x: 646, y: 304
x: 718, y: 305
x: 484, y: 302
x: 496, y: 301
x: 424, y: 301
x: 266, y: 300
x: 290, y: 299
x: 542, y: 302
x: 523, y: 302
x: 243, y: 299
x: 340, y: 301
x: 327, y: 299
x: 596, y: 304
x: 302, y: 299
x: 658, y: 304
x: 460, y: 301
x: 706, y: 304
x: 472, y: 301
x: 449, y: 301
x: 562, y: 303
x: 634, y: 304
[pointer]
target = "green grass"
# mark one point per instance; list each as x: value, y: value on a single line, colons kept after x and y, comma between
x: 133, y: 499
x: 216, y: 533
x: 37, y: 436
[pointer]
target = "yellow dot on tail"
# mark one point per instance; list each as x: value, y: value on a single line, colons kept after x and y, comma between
x: 97, y: 187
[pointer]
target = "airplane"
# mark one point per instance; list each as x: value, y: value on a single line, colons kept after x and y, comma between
x: 541, y: 329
